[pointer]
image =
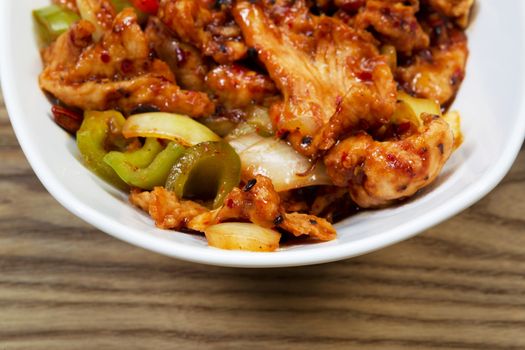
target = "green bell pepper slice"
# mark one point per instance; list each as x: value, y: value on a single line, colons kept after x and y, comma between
x: 100, y: 133
x: 52, y: 21
x: 143, y: 156
x: 209, y: 169
x: 147, y: 167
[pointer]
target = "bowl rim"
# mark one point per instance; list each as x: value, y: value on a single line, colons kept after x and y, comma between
x: 323, y: 253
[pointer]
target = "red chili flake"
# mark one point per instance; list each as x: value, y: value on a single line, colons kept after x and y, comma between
x: 149, y: 6
x: 105, y: 57
x: 364, y: 75
x: 403, y: 128
x: 283, y: 134
x: 229, y: 203
x: 66, y: 119
x: 126, y: 66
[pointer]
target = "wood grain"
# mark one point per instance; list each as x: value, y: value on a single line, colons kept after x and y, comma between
x: 65, y: 285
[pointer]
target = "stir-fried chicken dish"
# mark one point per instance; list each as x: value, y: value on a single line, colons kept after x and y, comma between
x: 256, y: 122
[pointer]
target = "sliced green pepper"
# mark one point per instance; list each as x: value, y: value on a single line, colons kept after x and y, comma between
x: 143, y: 156
x: 100, y: 133
x: 146, y: 167
x: 209, y: 169
x: 52, y: 21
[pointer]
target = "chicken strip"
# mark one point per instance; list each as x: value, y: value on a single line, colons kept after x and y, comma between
x: 165, y: 208
x: 206, y: 24
x: 258, y: 202
x: 378, y: 173
x: 239, y: 87
x: 308, y: 225
x: 295, y: 15
x: 332, y: 78
x: 185, y: 60
x: 437, y: 73
x: 395, y: 23
x: 115, y: 73
x: 458, y: 9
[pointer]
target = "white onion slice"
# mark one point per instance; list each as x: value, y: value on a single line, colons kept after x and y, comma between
x: 88, y: 11
x: 169, y: 126
x: 278, y: 161
x: 242, y: 236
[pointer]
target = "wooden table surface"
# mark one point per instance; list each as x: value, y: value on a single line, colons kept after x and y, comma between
x: 66, y: 285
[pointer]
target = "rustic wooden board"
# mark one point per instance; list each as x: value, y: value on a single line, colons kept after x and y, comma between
x: 65, y: 285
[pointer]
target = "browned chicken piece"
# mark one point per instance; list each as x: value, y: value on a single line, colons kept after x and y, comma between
x: 206, y: 25
x: 66, y: 50
x: 303, y: 224
x: 115, y: 73
x: 295, y: 15
x: 185, y: 61
x: 165, y: 208
x: 333, y: 204
x: 458, y: 9
x: 378, y: 173
x: 239, y: 87
x: 332, y: 78
x: 293, y: 203
x: 437, y: 73
x: 69, y: 4
x: 258, y: 202
x: 395, y: 23
x: 326, y: 198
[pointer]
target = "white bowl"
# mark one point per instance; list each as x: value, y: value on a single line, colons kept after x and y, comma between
x: 491, y: 101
